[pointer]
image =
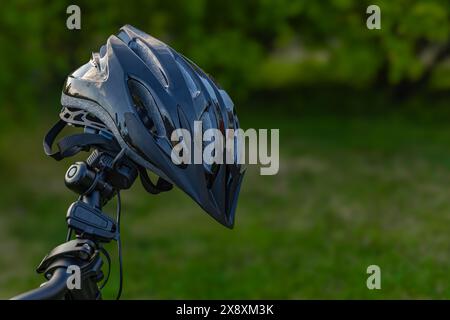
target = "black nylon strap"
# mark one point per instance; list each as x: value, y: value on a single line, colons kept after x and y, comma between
x: 161, y: 186
x: 71, y: 145
x: 50, y: 138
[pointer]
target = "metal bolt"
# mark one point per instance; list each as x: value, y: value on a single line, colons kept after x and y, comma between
x: 83, y: 254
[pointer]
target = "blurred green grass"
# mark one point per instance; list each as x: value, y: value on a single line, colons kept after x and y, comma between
x: 352, y: 191
x: 363, y: 177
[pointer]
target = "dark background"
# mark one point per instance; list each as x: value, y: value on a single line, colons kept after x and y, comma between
x: 364, y: 135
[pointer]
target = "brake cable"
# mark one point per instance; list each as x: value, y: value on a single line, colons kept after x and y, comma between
x: 119, y: 245
x: 108, y: 259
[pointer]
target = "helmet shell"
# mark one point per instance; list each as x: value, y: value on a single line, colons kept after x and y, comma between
x: 141, y: 90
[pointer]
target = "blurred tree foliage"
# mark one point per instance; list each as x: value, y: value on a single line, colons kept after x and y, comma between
x: 247, y: 45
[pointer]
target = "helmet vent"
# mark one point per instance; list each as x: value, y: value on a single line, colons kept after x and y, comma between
x: 146, y: 108
x: 193, y: 89
x: 150, y: 60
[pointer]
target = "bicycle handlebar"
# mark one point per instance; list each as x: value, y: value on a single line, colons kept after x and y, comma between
x: 53, y: 289
x: 92, y: 226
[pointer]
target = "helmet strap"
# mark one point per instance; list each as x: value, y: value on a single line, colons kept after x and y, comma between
x: 73, y: 144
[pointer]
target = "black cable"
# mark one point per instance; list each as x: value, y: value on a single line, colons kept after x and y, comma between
x: 118, y: 158
x: 119, y: 246
x: 108, y: 259
x: 69, y: 234
x: 119, y: 241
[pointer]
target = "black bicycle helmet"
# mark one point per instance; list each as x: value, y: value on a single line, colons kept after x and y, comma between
x: 138, y: 90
